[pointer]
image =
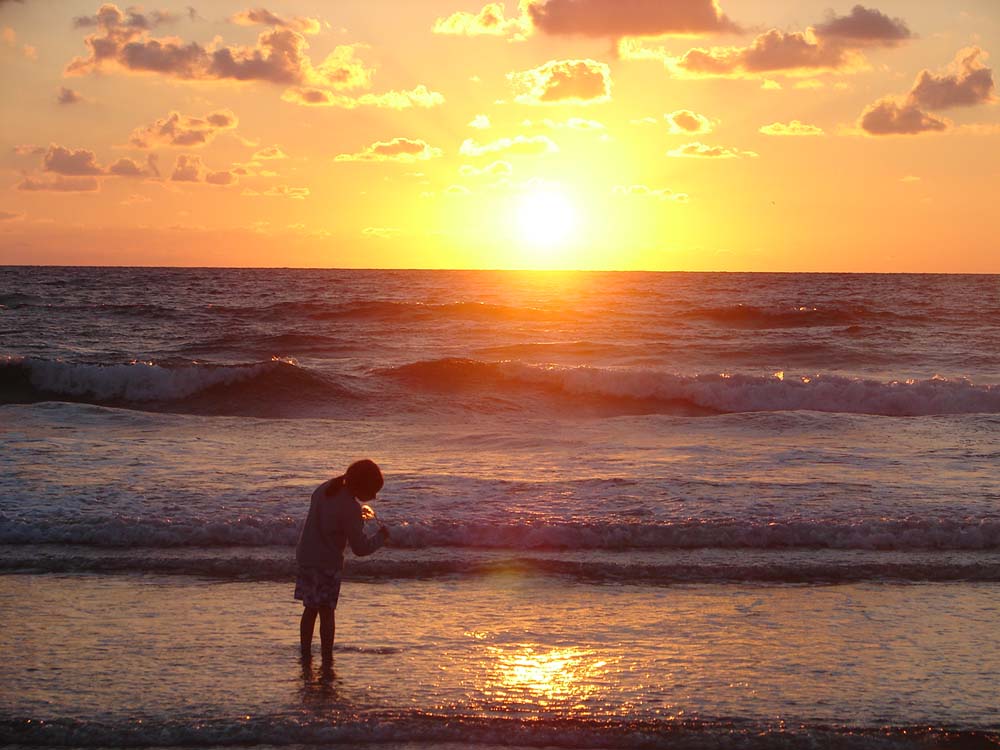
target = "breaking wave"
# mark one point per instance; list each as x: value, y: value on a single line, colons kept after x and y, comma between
x: 263, y: 565
x: 714, y: 392
x: 281, y: 387
x: 876, y: 534
x: 259, y: 388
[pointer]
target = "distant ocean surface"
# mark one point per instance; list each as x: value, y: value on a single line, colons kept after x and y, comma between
x: 628, y: 509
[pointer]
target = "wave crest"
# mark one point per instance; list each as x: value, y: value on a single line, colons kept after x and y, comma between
x: 252, y: 388
x: 716, y: 392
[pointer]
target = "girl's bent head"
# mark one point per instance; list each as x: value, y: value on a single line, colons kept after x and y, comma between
x: 364, y: 479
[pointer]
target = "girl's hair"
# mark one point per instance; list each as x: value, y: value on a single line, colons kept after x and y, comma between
x: 363, y: 478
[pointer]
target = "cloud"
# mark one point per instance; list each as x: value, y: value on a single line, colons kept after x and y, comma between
x: 188, y: 169
x: 662, y: 194
x: 132, y: 18
x: 698, y: 150
x: 29, y: 149
x: 126, y: 167
x: 832, y: 46
x: 457, y: 190
x: 490, y: 21
x: 493, y: 169
x: 123, y: 42
x: 637, y: 18
x: 864, y: 26
x: 563, y: 81
x: 284, y: 191
x: 966, y: 82
x: 573, y: 123
x: 398, y: 149
x: 263, y: 17
x: 795, y: 127
x: 384, y: 233
x: 889, y: 116
x: 270, y: 152
x: 420, y: 96
x: 11, y: 215
x: 68, y: 96
x: 184, y: 131
x: 773, y: 51
x: 686, y: 122
x: 72, y: 163
x: 9, y: 38
x: 60, y: 184
x: 222, y: 177
x: 523, y: 145
x: 480, y: 122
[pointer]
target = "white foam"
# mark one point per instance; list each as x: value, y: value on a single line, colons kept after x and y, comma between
x: 748, y: 393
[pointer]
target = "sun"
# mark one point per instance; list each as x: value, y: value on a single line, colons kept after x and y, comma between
x: 546, y: 217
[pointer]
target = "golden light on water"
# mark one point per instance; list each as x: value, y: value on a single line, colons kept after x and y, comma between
x: 543, y: 676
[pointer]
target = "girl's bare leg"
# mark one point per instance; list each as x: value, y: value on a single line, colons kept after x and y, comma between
x: 327, y: 628
x: 306, y: 626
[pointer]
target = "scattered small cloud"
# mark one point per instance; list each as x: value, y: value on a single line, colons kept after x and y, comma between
x: 398, y: 149
x: 493, y: 169
x: 71, y: 162
x: 382, y: 233
x: 123, y: 42
x: 965, y: 82
x: 68, y: 96
x: 910, y: 178
x: 491, y: 20
x: 419, y: 96
x: 270, y: 152
x: 888, y: 116
x: 11, y: 215
x: 60, y: 184
x: 8, y: 37
x: 644, y: 191
x: 126, y: 167
x: 262, y: 17
x: 136, y: 198
x: 457, y: 190
x: 635, y: 18
x: 480, y: 122
x: 686, y: 122
x: 795, y: 127
x: 188, y: 168
x: 524, y: 145
x: 184, y: 131
x: 834, y: 45
x: 698, y: 150
x: 562, y: 82
x: 284, y: 191
x: 863, y: 26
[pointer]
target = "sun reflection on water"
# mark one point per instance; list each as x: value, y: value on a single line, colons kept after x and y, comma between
x: 524, y: 677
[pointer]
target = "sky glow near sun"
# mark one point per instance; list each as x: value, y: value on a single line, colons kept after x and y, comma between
x: 696, y: 135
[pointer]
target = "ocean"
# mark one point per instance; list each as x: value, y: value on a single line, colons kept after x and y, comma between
x: 628, y: 510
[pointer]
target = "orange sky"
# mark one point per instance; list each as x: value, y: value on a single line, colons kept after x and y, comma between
x: 758, y: 135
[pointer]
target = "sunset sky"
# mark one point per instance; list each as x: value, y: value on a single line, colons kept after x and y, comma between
x: 762, y: 135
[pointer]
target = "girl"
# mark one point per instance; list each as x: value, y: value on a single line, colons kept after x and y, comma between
x: 334, y: 520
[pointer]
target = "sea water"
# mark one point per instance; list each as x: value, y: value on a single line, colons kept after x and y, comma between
x: 627, y: 510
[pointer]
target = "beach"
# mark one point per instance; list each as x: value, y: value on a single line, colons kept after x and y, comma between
x: 627, y: 510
